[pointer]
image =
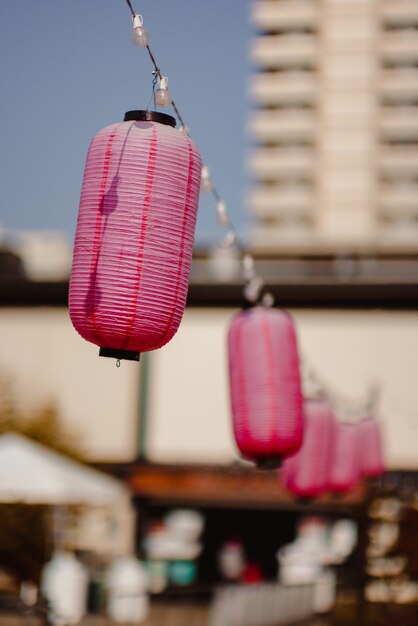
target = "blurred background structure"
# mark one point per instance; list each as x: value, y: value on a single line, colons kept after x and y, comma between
x: 333, y: 169
x: 337, y: 125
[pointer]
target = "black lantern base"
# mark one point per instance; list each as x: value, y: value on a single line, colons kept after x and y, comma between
x: 270, y: 463
x: 115, y: 353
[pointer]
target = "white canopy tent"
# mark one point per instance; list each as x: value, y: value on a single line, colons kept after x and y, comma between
x: 31, y: 473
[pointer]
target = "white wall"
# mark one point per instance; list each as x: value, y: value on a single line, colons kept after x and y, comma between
x: 46, y: 360
x: 188, y: 412
x: 188, y: 404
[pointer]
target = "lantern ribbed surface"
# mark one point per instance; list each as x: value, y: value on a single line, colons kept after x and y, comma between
x: 134, y: 239
x: 346, y: 463
x: 265, y: 388
x: 372, y: 464
x: 306, y: 473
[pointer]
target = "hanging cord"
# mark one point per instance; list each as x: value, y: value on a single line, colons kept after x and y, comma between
x: 254, y: 286
x: 350, y: 410
x: 130, y: 7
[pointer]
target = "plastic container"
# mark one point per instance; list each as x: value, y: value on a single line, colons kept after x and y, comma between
x: 64, y: 584
x: 127, y: 585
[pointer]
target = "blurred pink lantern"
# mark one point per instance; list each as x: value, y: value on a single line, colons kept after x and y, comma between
x: 346, y: 463
x: 372, y: 464
x: 265, y: 388
x: 306, y: 473
x: 135, y: 232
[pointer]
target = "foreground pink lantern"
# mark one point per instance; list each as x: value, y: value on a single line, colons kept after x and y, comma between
x: 306, y: 473
x: 346, y: 463
x: 372, y: 465
x: 265, y: 388
x: 135, y: 232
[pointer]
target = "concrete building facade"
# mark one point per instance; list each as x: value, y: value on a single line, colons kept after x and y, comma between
x: 335, y: 125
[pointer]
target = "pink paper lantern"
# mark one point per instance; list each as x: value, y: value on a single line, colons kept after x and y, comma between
x: 306, y: 473
x: 265, y: 388
x: 135, y: 232
x: 346, y: 463
x: 372, y: 464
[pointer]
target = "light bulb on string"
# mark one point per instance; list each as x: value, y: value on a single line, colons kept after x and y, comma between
x: 253, y: 288
x: 229, y: 239
x: 221, y: 213
x: 163, y: 95
x: 248, y: 270
x: 140, y: 35
x: 205, y: 181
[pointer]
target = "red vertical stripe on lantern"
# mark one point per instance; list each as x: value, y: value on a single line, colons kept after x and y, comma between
x: 272, y: 394
x: 144, y: 223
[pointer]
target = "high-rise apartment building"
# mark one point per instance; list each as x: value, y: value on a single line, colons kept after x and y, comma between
x: 335, y: 125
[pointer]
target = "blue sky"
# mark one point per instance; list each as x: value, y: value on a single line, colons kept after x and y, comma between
x: 69, y: 68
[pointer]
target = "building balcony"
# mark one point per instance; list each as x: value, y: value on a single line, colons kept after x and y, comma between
x: 275, y: 200
x: 399, y: 161
x: 400, y: 85
x: 283, y: 234
x: 399, y: 200
x: 284, y: 88
x: 399, y: 123
x: 399, y: 12
x: 282, y: 125
x: 399, y: 231
x: 400, y: 46
x: 285, y: 15
x: 279, y: 163
x: 280, y: 51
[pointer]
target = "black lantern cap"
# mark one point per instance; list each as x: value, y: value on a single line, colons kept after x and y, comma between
x: 150, y: 116
x: 115, y: 353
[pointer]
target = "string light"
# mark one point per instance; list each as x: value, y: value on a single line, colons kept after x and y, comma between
x: 221, y: 213
x: 350, y: 410
x: 205, y: 182
x: 163, y: 95
x: 140, y: 35
x: 229, y: 239
x: 253, y: 289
